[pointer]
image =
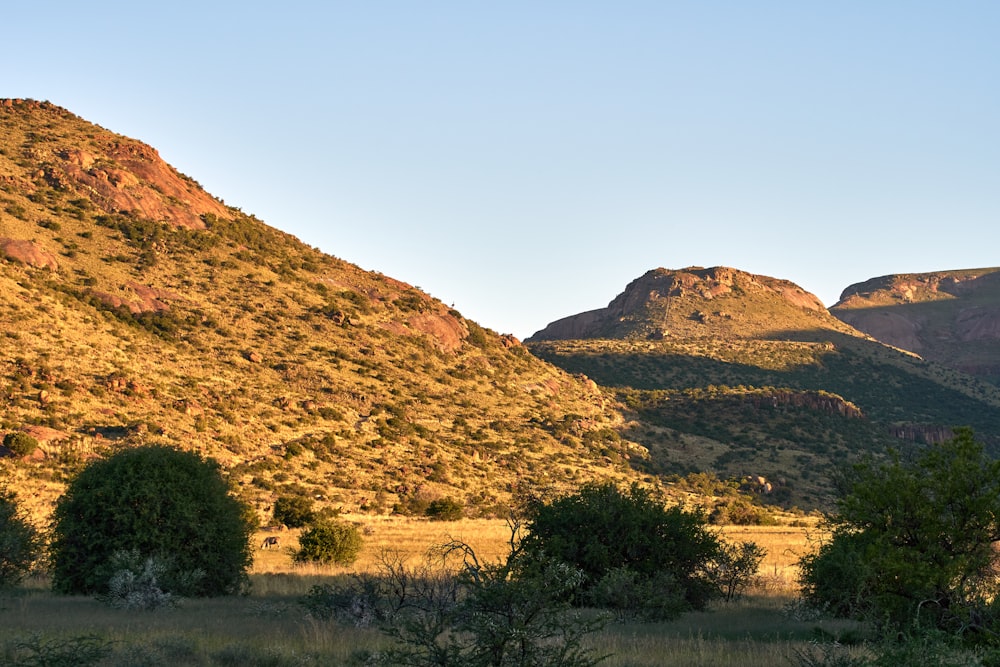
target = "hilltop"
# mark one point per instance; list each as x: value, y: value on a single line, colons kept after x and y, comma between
x: 748, y: 375
x: 135, y: 307
x: 951, y: 317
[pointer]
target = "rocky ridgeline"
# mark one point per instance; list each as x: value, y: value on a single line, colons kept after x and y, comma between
x: 647, y: 302
x: 952, y: 317
x: 117, y: 174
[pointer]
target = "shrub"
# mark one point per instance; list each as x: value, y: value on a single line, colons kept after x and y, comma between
x: 631, y: 596
x: 601, y: 528
x: 444, y: 509
x: 735, y: 567
x: 20, y: 543
x: 912, y: 542
x: 163, y: 503
x: 135, y: 584
x: 20, y: 443
x: 294, y: 511
x: 329, y: 542
x: 511, y: 612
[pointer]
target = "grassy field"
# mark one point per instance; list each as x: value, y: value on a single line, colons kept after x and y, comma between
x: 269, y: 627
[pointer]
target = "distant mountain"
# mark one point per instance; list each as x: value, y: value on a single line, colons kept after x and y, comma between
x: 951, y: 317
x: 135, y: 307
x: 747, y: 375
x: 695, y: 302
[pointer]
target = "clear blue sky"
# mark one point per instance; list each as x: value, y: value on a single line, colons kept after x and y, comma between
x: 526, y: 160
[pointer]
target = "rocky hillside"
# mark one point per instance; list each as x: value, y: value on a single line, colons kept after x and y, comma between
x: 695, y: 302
x: 746, y: 375
x: 135, y: 307
x: 950, y: 317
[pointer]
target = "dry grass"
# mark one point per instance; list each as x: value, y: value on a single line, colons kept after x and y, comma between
x: 269, y: 627
x: 274, y: 572
x: 785, y: 545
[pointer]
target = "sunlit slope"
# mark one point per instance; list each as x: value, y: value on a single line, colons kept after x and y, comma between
x: 135, y: 307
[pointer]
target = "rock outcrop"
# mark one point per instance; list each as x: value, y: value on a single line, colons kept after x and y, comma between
x: 117, y: 174
x: 28, y: 253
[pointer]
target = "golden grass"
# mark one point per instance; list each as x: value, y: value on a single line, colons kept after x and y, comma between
x: 785, y: 545
x: 270, y: 627
x: 274, y: 572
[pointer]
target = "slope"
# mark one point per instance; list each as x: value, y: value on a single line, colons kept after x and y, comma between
x: 951, y: 317
x: 135, y: 307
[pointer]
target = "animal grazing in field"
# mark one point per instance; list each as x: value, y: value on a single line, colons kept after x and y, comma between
x: 269, y: 542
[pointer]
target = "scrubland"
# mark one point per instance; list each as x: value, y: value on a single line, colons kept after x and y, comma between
x: 268, y: 626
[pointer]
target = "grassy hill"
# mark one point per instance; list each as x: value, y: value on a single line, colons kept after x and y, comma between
x: 135, y: 307
x: 746, y: 375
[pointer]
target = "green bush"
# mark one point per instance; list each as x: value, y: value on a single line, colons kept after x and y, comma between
x: 634, y: 597
x: 294, y: 511
x: 444, y: 509
x: 329, y: 542
x: 912, y: 543
x: 164, y: 504
x: 20, y: 543
x: 601, y: 528
x: 20, y: 443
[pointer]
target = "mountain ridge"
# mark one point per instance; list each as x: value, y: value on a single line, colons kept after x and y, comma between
x: 951, y: 317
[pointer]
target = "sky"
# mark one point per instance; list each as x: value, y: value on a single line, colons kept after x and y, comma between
x: 525, y: 160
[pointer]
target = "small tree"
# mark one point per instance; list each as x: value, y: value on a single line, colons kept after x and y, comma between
x: 601, y: 529
x: 914, y: 539
x: 20, y: 543
x: 735, y: 567
x: 160, y: 503
x: 329, y: 542
x: 294, y: 511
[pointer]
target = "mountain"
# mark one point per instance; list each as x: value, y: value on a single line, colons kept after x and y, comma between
x: 695, y: 302
x: 135, y: 307
x: 749, y: 376
x: 950, y: 317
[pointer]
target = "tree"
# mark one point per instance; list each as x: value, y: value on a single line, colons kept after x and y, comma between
x: 294, y: 511
x: 602, y: 529
x: 913, y: 539
x: 20, y: 543
x: 329, y: 542
x: 160, y: 503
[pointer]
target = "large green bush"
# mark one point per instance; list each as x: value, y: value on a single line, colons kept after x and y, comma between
x: 329, y: 542
x: 20, y: 543
x: 912, y: 542
x: 603, y: 530
x: 294, y: 511
x: 160, y: 503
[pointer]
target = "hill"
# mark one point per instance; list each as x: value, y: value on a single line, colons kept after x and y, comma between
x: 749, y: 376
x: 135, y: 307
x: 950, y: 317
